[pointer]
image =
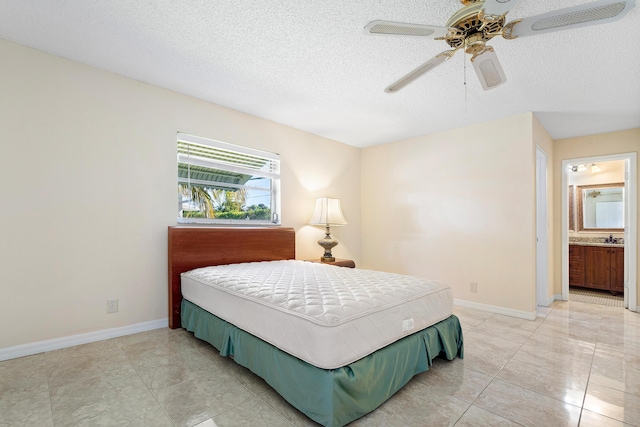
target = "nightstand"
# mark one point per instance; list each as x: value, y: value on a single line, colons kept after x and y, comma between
x: 339, y: 262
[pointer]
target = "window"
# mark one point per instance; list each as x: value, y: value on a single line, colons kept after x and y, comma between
x: 222, y: 183
x: 609, y: 215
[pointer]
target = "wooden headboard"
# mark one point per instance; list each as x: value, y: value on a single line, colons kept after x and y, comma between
x: 194, y: 247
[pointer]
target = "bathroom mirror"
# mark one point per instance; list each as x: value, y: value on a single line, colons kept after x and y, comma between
x: 600, y: 207
x: 572, y: 214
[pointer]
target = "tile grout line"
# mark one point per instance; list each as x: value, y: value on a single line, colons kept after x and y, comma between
x: 256, y: 395
x: 130, y: 362
x: 591, y: 369
x: 46, y: 368
x: 492, y: 379
x: 534, y: 391
x: 593, y: 356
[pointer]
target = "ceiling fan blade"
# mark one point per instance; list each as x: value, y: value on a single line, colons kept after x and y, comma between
x: 390, y: 28
x: 498, y: 7
x: 420, y: 71
x: 598, y: 12
x: 488, y: 69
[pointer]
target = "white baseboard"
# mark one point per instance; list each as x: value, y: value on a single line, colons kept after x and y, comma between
x: 556, y: 297
x: 496, y: 309
x: 551, y: 299
x: 73, y: 340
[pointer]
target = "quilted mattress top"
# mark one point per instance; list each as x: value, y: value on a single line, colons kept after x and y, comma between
x: 326, y: 296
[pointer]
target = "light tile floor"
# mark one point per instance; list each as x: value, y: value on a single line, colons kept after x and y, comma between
x: 578, y: 364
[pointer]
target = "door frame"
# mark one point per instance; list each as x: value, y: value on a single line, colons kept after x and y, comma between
x: 542, y: 229
x: 631, y: 221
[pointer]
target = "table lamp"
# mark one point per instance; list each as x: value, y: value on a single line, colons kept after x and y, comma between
x: 327, y: 213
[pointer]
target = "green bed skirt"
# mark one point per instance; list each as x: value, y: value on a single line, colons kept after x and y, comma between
x: 331, y: 397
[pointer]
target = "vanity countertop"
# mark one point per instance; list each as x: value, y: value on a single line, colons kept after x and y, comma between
x: 596, y: 241
x: 605, y: 245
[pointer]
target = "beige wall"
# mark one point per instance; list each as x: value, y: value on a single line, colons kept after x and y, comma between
x: 458, y: 207
x: 89, y: 188
x: 589, y: 146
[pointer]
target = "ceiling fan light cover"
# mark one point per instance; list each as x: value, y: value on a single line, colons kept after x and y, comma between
x: 489, y: 70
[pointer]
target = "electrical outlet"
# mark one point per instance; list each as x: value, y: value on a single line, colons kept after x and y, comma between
x: 112, y: 306
x: 473, y: 287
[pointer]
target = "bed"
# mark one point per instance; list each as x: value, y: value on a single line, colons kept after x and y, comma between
x: 335, y: 361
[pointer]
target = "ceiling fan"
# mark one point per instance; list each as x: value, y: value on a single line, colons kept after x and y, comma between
x: 471, y: 27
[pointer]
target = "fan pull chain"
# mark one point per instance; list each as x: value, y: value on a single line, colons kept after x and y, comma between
x: 464, y: 59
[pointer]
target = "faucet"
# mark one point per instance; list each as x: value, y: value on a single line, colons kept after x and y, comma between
x: 611, y: 239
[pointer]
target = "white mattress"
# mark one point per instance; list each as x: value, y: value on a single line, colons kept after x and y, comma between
x: 325, y: 315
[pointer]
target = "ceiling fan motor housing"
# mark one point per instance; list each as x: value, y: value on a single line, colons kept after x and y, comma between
x: 471, y: 26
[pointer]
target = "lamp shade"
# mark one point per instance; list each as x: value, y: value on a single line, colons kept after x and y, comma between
x: 327, y: 212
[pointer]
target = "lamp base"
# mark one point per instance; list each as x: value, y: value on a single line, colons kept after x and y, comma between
x: 327, y: 243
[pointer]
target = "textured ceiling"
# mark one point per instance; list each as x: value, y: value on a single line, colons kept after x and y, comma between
x: 308, y: 64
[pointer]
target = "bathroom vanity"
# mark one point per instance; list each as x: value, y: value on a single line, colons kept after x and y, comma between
x: 597, y: 266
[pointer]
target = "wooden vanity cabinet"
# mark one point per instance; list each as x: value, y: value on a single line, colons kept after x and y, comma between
x: 597, y: 267
x: 597, y: 262
x: 617, y: 270
x: 576, y: 265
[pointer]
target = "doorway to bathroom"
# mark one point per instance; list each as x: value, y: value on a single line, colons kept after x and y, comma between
x: 599, y: 230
